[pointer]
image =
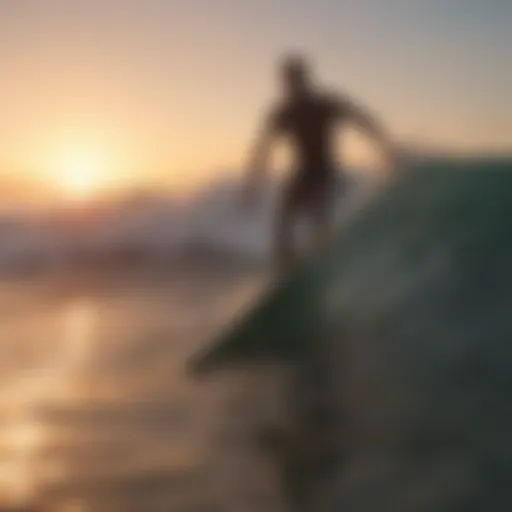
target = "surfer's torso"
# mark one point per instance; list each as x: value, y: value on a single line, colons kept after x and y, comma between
x: 309, y: 123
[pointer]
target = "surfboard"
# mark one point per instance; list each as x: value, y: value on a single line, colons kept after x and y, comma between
x: 425, y: 213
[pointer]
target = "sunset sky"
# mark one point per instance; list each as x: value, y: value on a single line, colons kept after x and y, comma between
x: 122, y: 92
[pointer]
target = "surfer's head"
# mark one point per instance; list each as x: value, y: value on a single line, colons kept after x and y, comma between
x: 295, y: 74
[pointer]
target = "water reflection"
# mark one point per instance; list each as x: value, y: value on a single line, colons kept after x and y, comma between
x: 79, y: 321
x: 21, y: 441
x: 47, y: 382
x: 72, y: 506
x: 95, y: 413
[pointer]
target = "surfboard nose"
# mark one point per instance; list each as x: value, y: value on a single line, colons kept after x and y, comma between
x: 201, y: 364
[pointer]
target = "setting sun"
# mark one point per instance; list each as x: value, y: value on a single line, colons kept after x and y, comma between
x: 81, y: 174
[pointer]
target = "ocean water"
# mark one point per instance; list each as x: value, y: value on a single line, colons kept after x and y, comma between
x: 100, y: 308
x: 96, y: 412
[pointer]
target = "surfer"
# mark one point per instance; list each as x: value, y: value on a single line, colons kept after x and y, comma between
x: 308, y: 117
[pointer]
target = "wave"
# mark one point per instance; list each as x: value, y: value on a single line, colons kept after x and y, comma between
x: 144, y: 228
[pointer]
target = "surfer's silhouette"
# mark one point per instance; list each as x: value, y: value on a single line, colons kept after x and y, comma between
x: 308, y: 117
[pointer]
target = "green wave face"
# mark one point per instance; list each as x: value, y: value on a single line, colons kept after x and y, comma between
x: 436, y: 239
x: 408, y: 318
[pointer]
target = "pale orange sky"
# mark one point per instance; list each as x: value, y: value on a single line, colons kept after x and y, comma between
x: 169, y: 92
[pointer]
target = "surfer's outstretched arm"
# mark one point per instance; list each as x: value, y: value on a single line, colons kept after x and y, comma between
x: 366, y: 122
x: 369, y: 124
x: 259, y: 159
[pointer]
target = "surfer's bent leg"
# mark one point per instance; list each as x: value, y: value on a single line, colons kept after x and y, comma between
x: 285, y: 253
x: 321, y: 211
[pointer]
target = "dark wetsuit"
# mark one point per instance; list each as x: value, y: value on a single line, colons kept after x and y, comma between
x: 309, y: 125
